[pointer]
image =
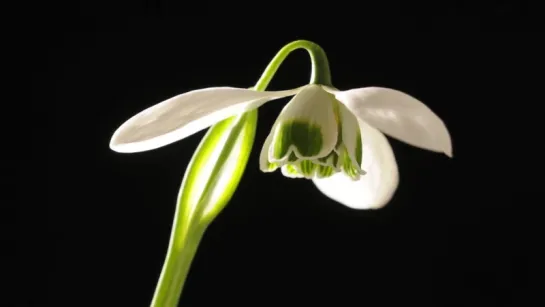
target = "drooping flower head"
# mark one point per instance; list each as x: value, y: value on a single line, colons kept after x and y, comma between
x: 332, y: 137
x: 335, y: 138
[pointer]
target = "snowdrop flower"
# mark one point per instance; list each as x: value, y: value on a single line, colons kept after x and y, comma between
x: 335, y: 138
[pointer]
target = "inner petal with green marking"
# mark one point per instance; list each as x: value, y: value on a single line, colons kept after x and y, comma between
x: 314, y: 136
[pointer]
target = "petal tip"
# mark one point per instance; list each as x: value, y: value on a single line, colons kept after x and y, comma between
x: 366, y: 206
x: 117, y: 147
x: 448, y: 149
x: 115, y: 144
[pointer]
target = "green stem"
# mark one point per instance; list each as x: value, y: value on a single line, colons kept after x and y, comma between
x: 320, y: 65
x: 176, y: 267
x: 185, y: 239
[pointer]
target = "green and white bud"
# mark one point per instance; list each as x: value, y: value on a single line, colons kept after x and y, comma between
x: 315, y: 136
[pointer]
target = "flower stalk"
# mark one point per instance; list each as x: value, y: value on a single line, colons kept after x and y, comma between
x: 224, y: 150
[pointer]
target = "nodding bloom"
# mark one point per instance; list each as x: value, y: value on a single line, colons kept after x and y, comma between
x: 334, y: 138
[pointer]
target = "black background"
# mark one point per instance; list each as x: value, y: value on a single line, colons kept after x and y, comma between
x: 455, y: 233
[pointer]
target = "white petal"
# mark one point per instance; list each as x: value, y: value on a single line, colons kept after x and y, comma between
x: 186, y: 114
x: 351, y: 137
x: 306, y: 126
x: 264, y: 164
x: 400, y: 116
x: 374, y: 189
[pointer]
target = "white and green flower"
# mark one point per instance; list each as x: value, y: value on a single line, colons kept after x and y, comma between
x: 335, y: 138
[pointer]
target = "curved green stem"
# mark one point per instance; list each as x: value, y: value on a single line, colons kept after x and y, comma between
x: 187, y: 233
x: 320, y: 65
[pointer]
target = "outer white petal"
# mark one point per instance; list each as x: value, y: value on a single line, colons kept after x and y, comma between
x: 399, y: 115
x: 374, y: 189
x: 350, y: 135
x: 186, y: 114
x: 264, y: 164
